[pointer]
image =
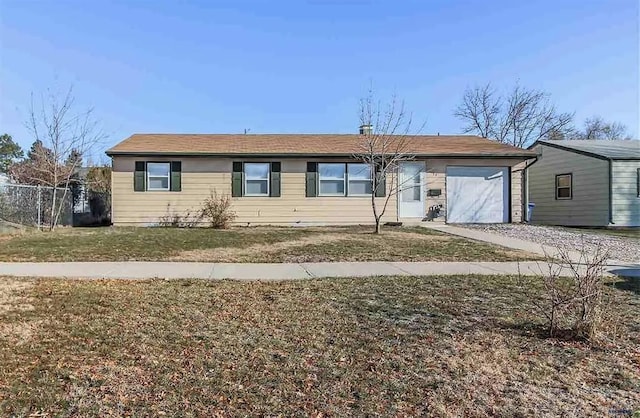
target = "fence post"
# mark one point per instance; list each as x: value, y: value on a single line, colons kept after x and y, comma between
x: 39, y: 206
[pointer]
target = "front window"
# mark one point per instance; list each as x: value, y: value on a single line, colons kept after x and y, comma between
x: 564, y: 183
x: 158, y: 175
x: 332, y: 179
x: 256, y: 178
x: 359, y: 179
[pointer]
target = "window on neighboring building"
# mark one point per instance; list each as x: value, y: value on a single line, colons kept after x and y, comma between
x: 564, y: 184
x: 256, y: 179
x: 158, y: 175
x: 359, y: 179
x: 638, y: 182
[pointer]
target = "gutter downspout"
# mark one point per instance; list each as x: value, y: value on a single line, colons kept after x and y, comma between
x: 525, y: 188
x: 611, y: 192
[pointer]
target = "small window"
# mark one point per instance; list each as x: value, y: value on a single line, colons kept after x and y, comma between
x: 359, y: 179
x: 332, y: 179
x: 256, y: 179
x: 158, y: 175
x: 638, y: 182
x: 564, y: 183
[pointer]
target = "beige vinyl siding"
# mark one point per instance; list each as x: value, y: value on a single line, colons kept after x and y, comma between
x: 202, y: 175
x: 590, y: 203
x: 625, y: 201
x: 436, y: 179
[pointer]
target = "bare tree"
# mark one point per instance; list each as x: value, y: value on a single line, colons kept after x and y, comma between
x: 62, y: 136
x: 598, y: 128
x: 385, y: 142
x: 519, y: 118
x: 480, y: 110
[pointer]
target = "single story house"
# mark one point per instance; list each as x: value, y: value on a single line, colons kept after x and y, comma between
x: 313, y: 179
x: 585, y: 183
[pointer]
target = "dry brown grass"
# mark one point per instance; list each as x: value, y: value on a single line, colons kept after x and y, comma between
x: 321, y: 236
x: 12, y: 295
x: 260, y: 244
x: 255, y: 251
x: 13, y: 300
x: 393, y: 346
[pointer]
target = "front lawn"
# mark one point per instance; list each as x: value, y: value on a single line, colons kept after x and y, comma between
x: 390, y: 346
x: 261, y: 244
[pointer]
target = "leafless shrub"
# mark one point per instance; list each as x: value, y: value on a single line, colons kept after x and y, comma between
x: 173, y: 219
x: 217, y: 210
x: 573, y: 294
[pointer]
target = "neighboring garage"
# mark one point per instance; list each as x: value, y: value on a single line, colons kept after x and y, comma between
x: 586, y: 183
x: 477, y: 194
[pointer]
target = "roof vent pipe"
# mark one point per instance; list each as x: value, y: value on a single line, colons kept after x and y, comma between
x: 366, y: 129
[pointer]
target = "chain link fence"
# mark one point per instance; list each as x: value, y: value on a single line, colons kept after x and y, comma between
x: 31, y: 205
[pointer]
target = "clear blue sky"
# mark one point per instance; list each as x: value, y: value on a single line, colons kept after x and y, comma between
x: 294, y: 66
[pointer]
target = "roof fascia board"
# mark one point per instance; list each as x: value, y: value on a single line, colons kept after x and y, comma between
x: 294, y: 155
x: 576, y: 151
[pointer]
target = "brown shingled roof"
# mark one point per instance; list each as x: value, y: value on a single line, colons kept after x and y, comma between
x: 304, y: 144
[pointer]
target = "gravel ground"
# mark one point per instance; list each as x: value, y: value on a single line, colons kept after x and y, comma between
x: 620, y: 248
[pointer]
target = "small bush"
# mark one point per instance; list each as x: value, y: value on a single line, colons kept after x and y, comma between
x: 217, y: 210
x: 173, y: 219
x: 572, y: 299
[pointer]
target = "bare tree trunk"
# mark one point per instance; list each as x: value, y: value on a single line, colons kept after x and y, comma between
x: 375, y: 210
x: 54, y: 195
x: 52, y: 223
x: 61, y: 205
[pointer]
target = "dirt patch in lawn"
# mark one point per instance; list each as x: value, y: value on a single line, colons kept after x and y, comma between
x: 7, y: 236
x: 356, y: 246
x: 13, y: 302
x: 252, y: 252
x: 12, y: 295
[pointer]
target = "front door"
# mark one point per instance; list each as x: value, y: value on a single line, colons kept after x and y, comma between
x: 410, y: 188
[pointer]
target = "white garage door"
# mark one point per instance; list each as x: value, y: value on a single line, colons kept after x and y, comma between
x: 477, y: 194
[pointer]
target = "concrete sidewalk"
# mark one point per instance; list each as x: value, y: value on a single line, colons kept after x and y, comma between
x: 283, y: 271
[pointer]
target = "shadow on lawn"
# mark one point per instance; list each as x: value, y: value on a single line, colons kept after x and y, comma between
x: 539, y: 331
x: 628, y: 283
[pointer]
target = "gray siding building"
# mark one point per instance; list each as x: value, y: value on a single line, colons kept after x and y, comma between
x: 585, y: 183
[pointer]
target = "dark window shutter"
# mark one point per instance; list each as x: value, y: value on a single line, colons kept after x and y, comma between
x: 312, y: 180
x: 237, y: 180
x: 139, y: 177
x: 381, y: 190
x: 176, y: 176
x: 274, y: 189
